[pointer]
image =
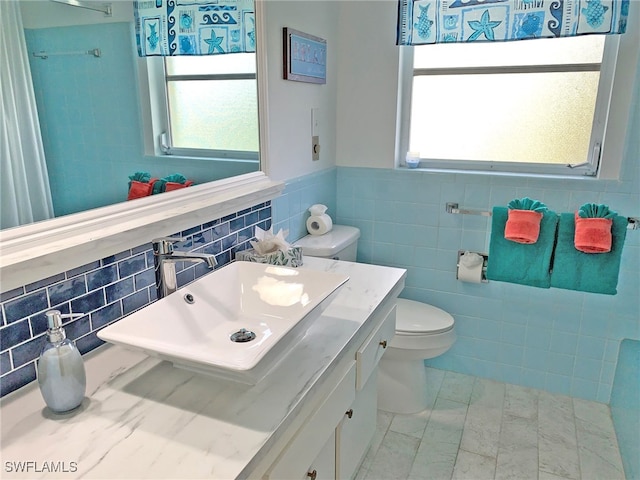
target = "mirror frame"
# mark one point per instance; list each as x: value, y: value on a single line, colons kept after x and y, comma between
x: 37, y: 251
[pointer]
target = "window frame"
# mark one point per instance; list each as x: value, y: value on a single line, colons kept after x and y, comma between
x: 156, y: 112
x: 591, y: 165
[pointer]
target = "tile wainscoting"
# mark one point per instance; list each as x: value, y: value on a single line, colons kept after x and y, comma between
x: 562, y: 341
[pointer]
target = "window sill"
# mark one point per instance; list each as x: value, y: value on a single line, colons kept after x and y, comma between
x: 204, y: 159
x: 33, y: 252
x: 491, y: 173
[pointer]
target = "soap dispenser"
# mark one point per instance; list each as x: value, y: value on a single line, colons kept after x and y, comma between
x: 61, y: 374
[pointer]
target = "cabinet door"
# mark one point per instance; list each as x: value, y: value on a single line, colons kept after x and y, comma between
x: 308, y: 442
x: 324, y: 466
x: 354, y: 434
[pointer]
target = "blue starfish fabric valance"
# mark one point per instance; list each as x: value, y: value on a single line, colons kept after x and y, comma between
x: 194, y: 27
x: 439, y: 21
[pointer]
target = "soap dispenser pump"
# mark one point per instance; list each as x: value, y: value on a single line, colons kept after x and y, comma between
x: 61, y: 374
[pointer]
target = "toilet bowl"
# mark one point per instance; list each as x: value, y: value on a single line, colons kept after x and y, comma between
x: 422, y: 331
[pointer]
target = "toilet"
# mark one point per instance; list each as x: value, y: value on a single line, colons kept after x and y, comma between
x: 422, y: 331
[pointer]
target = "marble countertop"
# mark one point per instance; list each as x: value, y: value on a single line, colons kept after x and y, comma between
x: 144, y: 418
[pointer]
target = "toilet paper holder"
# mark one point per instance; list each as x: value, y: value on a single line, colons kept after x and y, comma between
x: 485, y: 259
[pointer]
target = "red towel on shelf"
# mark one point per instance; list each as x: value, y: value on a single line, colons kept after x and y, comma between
x: 593, y: 235
x: 169, y: 186
x: 523, y: 226
x: 140, y: 189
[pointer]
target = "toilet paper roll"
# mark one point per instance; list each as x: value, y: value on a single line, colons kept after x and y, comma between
x: 319, y: 224
x: 470, y: 267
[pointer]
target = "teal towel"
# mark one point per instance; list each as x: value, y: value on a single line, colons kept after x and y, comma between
x: 595, y: 210
x: 161, y: 184
x: 587, y: 272
x: 526, y: 264
x: 144, y: 177
x: 526, y: 203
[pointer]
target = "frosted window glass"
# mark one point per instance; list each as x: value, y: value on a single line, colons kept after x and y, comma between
x: 547, y: 51
x: 529, y: 117
x: 214, y: 114
x: 211, y: 64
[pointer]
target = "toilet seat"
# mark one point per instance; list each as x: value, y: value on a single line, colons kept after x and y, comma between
x: 419, y: 319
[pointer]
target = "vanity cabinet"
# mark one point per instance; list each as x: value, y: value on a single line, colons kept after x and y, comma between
x: 301, y: 452
x: 316, y: 412
x: 324, y: 466
x: 333, y: 440
x: 354, y: 433
x: 371, y: 351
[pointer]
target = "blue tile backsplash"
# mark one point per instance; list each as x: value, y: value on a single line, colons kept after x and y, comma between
x: 104, y: 291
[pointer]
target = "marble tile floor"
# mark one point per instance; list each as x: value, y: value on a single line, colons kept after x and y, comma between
x: 481, y: 429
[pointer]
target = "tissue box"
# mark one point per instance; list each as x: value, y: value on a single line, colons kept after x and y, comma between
x: 290, y: 258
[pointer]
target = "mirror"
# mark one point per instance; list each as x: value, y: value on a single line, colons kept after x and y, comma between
x: 89, y: 104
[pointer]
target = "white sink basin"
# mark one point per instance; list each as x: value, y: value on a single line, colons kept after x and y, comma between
x: 193, y: 326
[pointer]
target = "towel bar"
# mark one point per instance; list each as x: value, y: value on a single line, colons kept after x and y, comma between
x: 106, y: 8
x: 453, y: 207
x: 44, y: 55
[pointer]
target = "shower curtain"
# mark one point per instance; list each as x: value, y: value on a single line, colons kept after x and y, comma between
x: 25, y: 195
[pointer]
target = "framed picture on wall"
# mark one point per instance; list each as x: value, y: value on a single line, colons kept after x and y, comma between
x: 305, y: 57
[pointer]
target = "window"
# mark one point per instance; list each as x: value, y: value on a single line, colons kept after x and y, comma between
x: 535, y: 106
x: 205, y: 106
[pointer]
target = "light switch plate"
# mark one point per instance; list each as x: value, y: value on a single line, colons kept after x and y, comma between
x: 315, y: 148
x: 315, y: 122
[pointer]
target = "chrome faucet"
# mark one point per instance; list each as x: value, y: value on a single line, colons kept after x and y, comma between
x: 165, y: 263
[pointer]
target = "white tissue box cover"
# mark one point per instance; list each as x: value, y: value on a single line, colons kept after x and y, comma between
x: 290, y: 258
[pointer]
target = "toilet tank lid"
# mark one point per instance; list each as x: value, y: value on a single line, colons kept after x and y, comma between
x: 418, y: 317
x: 330, y: 243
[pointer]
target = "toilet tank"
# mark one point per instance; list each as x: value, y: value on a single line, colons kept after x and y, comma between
x: 341, y: 243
